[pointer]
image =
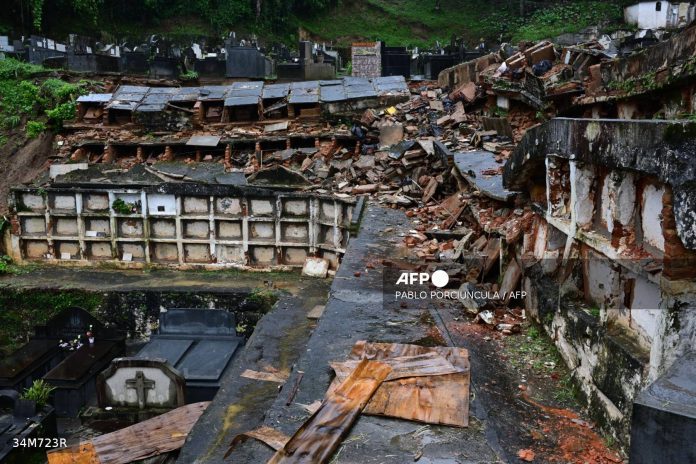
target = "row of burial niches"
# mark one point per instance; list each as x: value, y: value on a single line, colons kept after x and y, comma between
x: 95, y: 379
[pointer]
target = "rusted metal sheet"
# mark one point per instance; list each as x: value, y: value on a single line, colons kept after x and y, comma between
x: 319, y: 437
x: 149, y: 438
x: 426, y: 384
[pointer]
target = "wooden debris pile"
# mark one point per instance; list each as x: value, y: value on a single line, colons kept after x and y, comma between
x: 410, y: 382
x: 149, y: 438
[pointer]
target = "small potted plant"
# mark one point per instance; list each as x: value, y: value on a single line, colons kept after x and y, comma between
x: 33, y: 399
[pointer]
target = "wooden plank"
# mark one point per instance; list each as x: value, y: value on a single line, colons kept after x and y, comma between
x: 152, y: 437
x: 422, y: 365
x: 265, y: 434
x: 82, y: 453
x: 428, y: 385
x: 149, y: 438
x: 278, y: 377
x: 441, y: 399
x: 321, y: 434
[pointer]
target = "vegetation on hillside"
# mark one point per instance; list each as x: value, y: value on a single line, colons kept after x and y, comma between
x: 418, y: 23
x: 28, y: 99
x: 398, y: 22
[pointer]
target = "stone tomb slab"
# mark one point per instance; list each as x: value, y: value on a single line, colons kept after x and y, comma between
x: 140, y: 383
x: 170, y: 349
x: 208, y: 359
x: 74, y: 377
x: 198, y: 343
x: 28, y: 362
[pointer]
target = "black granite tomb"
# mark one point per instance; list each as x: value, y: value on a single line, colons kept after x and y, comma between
x: 42, y: 353
x: 17, y: 422
x: 199, y: 343
x: 245, y: 62
x: 74, y: 376
x: 663, y: 425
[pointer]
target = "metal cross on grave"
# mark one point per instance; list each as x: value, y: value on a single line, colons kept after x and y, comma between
x: 140, y: 384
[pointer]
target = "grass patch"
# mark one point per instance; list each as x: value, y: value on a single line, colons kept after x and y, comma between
x: 23, y: 97
x: 553, y: 21
x: 263, y: 299
x: 35, y: 128
x: 533, y: 352
x: 417, y: 23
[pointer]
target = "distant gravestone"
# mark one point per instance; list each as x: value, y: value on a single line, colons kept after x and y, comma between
x: 140, y: 383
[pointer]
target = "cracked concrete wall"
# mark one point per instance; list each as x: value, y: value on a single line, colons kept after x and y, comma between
x: 34, y: 226
x: 651, y: 215
x: 96, y: 202
x: 616, y: 299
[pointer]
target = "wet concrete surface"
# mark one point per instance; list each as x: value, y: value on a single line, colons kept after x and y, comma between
x: 240, y: 405
x: 355, y: 311
x: 113, y: 280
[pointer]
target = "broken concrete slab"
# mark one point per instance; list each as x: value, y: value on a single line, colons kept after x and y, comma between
x: 391, y: 134
x: 482, y: 172
x: 316, y: 312
x: 316, y: 267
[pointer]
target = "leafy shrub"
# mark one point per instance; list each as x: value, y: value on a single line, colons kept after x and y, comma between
x: 12, y: 121
x: 61, y: 113
x: 549, y: 22
x: 189, y: 76
x: 35, y: 128
x: 13, y: 69
x: 60, y: 91
x: 39, y: 392
x: 122, y: 207
x: 264, y: 299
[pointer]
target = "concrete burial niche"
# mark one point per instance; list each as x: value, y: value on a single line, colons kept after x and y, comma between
x: 663, y: 426
x: 140, y: 383
x: 195, y: 344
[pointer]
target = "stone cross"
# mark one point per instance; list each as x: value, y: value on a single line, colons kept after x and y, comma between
x: 140, y: 384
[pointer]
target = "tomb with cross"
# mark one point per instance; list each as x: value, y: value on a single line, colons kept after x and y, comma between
x: 141, y: 384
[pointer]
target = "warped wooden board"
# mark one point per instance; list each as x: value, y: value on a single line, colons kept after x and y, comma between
x: 428, y: 385
x: 82, y: 453
x: 439, y: 399
x: 421, y: 365
x: 320, y: 435
x: 277, y: 377
x: 145, y: 439
x: 268, y: 435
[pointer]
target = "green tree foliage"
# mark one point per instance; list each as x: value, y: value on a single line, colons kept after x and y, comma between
x: 95, y: 16
x: 23, y: 97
